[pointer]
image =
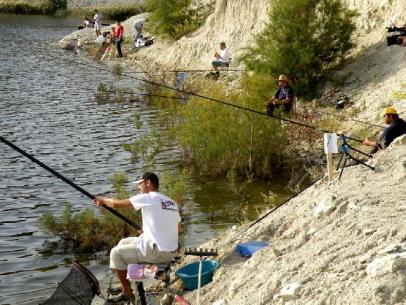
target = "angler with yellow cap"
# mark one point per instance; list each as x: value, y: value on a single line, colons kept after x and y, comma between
x: 283, y: 97
x: 396, y: 128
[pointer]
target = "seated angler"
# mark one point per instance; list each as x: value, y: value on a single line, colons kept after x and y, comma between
x: 221, y: 59
x: 283, y: 97
x: 396, y: 128
x: 159, y: 240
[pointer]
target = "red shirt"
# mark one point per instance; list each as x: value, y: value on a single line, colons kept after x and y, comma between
x: 118, y: 31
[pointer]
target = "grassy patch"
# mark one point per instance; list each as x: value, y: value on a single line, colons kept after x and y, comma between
x: 114, y: 12
x: 58, y: 7
x: 23, y: 7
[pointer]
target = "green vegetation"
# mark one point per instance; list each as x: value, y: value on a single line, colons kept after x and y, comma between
x: 219, y: 140
x: 59, y: 7
x: 304, y: 39
x: 144, y: 148
x: 43, y: 7
x: 175, y: 18
x: 85, y: 231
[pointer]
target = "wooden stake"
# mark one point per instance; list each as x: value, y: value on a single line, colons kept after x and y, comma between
x: 330, y: 170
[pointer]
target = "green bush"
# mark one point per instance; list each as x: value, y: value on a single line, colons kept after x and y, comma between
x: 220, y: 140
x: 174, y: 18
x: 56, y: 5
x: 85, y: 231
x: 22, y: 7
x: 121, y: 12
x: 303, y: 39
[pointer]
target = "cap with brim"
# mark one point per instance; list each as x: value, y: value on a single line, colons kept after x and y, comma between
x: 139, y: 180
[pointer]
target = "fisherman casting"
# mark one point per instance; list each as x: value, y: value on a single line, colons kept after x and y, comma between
x: 158, y: 241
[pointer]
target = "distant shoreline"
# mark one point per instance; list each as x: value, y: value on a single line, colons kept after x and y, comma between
x: 112, y: 12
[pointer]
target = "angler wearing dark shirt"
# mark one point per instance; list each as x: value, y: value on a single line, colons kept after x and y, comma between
x: 396, y: 128
x: 283, y: 97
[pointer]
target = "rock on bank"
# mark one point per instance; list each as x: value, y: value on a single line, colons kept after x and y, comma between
x: 342, y: 242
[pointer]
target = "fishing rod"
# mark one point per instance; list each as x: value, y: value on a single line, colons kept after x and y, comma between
x: 80, y: 8
x: 214, y: 100
x: 66, y: 180
x: 143, y: 94
x: 344, y: 117
x: 176, y: 71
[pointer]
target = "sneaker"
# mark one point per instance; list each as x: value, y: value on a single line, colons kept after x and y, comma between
x: 122, y: 298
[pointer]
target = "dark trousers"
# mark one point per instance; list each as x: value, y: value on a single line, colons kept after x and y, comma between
x: 270, y: 108
x: 118, y: 47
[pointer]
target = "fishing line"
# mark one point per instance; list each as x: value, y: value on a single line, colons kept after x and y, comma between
x: 344, y: 117
x: 66, y: 180
x: 275, y: 208
x: 224, y: 103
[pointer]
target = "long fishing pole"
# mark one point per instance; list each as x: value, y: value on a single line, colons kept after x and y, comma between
x: 180, y: 70
x: 66, y: 180
x: 214, y: 100
x: 142, y: 94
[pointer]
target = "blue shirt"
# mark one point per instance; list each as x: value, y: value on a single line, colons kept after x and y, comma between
x: 283, y: 94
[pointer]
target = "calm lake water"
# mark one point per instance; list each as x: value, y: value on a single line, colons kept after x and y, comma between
x: 47, y: 107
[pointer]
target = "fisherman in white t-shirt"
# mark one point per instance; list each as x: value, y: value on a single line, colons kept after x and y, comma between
x: 222, y: 58
x: 159, y: 239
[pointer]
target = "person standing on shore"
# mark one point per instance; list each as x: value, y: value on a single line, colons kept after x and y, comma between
x: 139, y: 27
x: 158, y: 242
x: 97, y: 22
x: 118, y: 37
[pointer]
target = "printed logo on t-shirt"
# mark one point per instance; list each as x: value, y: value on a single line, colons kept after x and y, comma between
x: 168, y: 205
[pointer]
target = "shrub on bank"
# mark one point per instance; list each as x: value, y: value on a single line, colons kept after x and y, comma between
x: 218, y: 140
x: 303, y: 39
x: 175, y: 18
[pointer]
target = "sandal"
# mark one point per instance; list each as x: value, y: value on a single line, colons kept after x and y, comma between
x: 114, y: 290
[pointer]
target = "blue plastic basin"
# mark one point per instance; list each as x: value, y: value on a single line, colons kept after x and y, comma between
x: 189, y: 273
x: 248, y: 249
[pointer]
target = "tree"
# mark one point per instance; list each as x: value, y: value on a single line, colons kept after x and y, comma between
x: 174, y: 18
x: 304, y: 39
x: 54, y: 5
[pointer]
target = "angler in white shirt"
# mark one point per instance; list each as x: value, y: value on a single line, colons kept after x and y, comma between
x: 222, y: 58
x: 159, y: 239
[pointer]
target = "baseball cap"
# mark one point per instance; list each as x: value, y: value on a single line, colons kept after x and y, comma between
x: 148, y: 176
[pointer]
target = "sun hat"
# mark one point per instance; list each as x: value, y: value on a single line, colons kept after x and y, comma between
x: 283, y: 77
x: 389, y: 110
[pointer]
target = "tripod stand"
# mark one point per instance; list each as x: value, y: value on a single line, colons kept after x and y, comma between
x: 345, y: 154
